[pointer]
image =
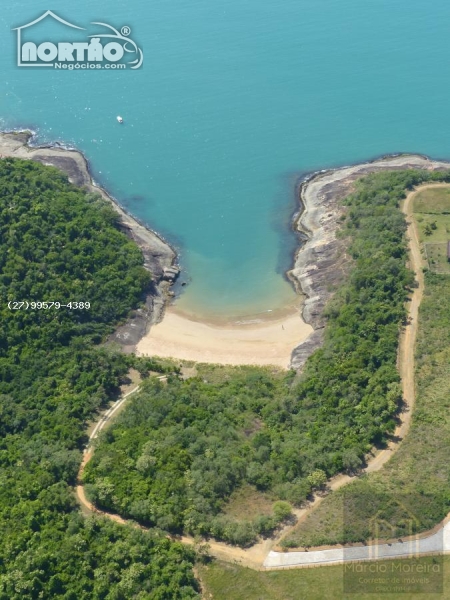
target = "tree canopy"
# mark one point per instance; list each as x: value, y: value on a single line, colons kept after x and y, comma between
x: 60, y: 244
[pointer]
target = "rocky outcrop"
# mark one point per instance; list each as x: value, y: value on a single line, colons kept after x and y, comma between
x: 159, y: 256
x: 321, y: 263
x: 171, y: 273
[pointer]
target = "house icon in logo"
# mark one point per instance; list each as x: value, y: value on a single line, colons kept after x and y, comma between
x: 23, y: 50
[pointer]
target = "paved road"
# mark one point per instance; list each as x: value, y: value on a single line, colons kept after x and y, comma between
x: 437, y: 543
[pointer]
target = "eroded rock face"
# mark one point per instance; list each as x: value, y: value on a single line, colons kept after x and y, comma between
x: 321, y: 263
x: 301, y: 354
x: 77, y: 175
x: 171, y: 273
x: 129, y: 334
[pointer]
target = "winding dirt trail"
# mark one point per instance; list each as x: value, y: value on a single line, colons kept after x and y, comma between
x: 255, y: 556
x: 88, y: 453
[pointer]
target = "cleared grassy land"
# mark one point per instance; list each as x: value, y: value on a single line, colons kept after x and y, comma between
x: 418, y: 475
x: 247, y: 501
x: 222, y: 581
x: 431, y: 201
x: 436, y: 255
x: 432, y: 210
x: 433, y: 227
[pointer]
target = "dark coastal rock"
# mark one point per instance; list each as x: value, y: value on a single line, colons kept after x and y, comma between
x: 301, y: 354
x: 20, y: 136
x: 171, y: 273
x: 69, y: 165
x: 130, y: 333
x: 322, y: 263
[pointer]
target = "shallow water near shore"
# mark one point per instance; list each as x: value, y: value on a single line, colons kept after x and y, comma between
x: 233, y: 101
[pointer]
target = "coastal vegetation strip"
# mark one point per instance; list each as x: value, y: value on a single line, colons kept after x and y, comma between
x: 417, y: 475
x: 158, y: 254
x: 320, y: 264
x: 61, y: 244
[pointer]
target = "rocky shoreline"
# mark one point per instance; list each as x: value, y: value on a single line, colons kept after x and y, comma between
x: 321, y: 263
x: 159, y: 256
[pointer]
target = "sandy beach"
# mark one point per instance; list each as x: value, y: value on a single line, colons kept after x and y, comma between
x: 269, y: 342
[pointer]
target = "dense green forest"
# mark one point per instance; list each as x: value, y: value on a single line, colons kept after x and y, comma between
x: 175, y: 456
x: 60, y: 244
x: 179, y: 451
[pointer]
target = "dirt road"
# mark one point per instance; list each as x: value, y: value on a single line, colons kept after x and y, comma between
x: 261, y: 555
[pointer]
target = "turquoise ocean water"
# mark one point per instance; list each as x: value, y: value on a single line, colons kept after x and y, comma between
x: 234, y: 101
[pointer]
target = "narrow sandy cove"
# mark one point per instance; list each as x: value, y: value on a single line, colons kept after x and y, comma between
x: 267, y: 343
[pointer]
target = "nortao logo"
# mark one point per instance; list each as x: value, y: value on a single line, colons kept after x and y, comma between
x: 112, y: 49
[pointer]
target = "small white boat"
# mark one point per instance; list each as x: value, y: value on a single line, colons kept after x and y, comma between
x: 120, y: 119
